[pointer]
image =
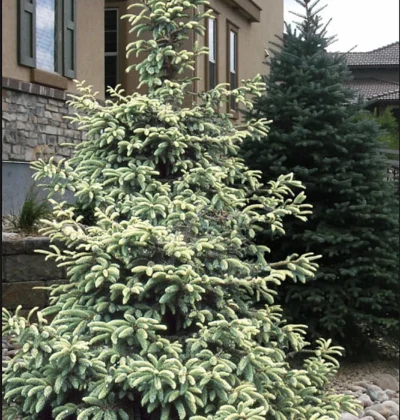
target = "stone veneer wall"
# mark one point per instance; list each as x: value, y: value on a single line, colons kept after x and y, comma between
x: 24, y: 269
x: 33, y: 126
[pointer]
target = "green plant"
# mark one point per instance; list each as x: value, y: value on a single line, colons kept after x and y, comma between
x: 332, y: 149
x: 164, y: 316
x: 87, y: 213
x: 390, y: 126
x: 389, y: 135
x: 33, y: 210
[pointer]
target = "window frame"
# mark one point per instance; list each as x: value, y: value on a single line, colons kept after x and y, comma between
x: 112, y: 54
x: 207, y: 44
x: 230, y: 27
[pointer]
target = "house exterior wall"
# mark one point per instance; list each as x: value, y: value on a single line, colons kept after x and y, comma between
x: 253, y: 38
x: 34, y: 101
x: 33, y: 124
x: 386, y: 74
x: 89, y: 44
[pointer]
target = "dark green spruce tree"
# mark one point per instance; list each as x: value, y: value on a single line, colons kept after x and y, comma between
x: 317, y: 134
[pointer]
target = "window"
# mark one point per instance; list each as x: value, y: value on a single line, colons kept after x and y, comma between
x: 232, y: 62
x: 111, y: 47
x: 211, y: 38
x: 46, y: 35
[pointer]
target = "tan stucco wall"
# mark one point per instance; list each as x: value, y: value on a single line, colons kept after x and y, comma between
x: 253, y: 39
x: 130, y: 80
x: 89, y: 44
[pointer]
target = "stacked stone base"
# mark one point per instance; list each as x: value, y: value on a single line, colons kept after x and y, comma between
x: 33, y: 123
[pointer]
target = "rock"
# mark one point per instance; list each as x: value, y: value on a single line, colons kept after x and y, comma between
x: 6, y: 344
x: 381, y: 396
x: 348, y: 393
x: 9, y: 235
x: 30, y: 267
x: 373, y: 387
x: 363, y: 384
x: 365, y: 400
x: 14, y: 293
x: 392, y: 406
x: 33, y: 243
x: 393, y: 418
x: 386, y: 381
x: 386, y: 409
x: 367, y: 418
x: 374, y: 415
x: 12, y: 244
x: 348, y: 416
x: 390, y: 393
x: 356, y: 388
x: 376, y: 393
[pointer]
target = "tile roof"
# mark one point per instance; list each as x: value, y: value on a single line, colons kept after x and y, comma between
x: 373, y: 89
x: 384, y: 56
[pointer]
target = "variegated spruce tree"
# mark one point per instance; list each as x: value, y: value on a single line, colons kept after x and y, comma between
x: 161, y: 318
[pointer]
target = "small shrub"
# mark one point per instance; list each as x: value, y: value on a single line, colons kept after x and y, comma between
x: 32, y: 211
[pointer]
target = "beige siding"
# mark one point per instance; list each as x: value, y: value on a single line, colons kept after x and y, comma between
x: 89, y: 45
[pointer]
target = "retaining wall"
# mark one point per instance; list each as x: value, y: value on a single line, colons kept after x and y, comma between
x: 23, y: 269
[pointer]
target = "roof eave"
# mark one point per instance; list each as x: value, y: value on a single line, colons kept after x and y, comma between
x: 358, y: 66
x: 378, y: 100
x: 250, y: 10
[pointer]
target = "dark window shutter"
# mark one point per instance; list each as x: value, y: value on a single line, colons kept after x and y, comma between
x: 27, y: 33
x: 69, y: 38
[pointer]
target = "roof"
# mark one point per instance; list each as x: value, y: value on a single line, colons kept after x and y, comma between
x: 383, y: 56
x: 374, y: 89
